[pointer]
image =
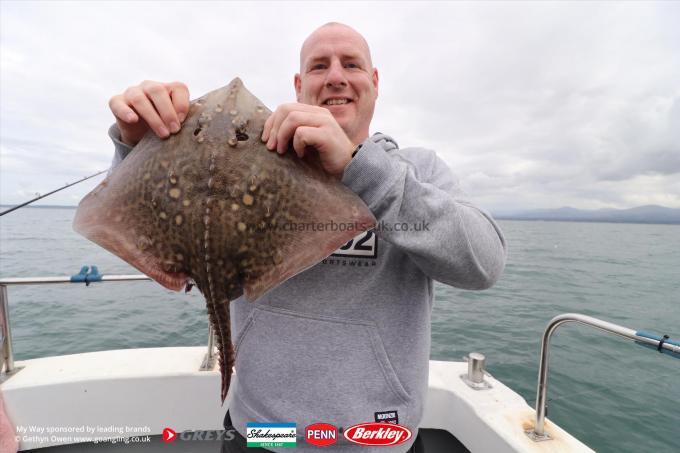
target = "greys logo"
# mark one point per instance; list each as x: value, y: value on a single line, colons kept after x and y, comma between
x: 219, y: 435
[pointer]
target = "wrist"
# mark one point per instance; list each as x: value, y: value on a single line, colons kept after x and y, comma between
x: 346, y: 159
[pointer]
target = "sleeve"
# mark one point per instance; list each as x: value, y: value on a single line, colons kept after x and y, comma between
x: 121, y: 150
x: 458, y: 244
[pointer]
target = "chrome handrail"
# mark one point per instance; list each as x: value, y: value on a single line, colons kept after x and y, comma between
x: 538, y: 433
x: 50, y: 280
x: 7, y: 358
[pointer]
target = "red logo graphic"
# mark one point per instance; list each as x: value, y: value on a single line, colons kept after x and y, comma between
x: 377, y: 434
x: 169, y: 435
x: 321, y: 434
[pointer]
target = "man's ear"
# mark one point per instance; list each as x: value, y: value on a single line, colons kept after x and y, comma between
x: 375, y: 79
x: 297, y: 81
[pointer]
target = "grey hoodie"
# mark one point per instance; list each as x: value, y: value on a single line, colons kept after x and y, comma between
x: 349, y: 338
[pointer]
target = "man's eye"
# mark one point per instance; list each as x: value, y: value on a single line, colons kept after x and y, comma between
x: 352, y: 65
x: 317, y: 66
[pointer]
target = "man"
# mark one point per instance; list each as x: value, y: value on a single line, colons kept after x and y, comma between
x: 348, y: 340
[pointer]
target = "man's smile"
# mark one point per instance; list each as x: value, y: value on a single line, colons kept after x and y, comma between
x: 336, y: 101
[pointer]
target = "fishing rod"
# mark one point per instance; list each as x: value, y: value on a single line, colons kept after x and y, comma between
x: 50, y: 193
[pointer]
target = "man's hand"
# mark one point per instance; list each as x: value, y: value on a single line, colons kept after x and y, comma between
x: 159, y: 106
x: 312, y: 126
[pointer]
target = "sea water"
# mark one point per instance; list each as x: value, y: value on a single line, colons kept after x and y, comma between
x: 608, y: 392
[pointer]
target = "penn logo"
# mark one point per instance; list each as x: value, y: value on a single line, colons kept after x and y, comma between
x: 321, y: 434
x: 377, y: 434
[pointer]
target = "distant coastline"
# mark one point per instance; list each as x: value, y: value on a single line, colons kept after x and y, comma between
x: 650, y: 214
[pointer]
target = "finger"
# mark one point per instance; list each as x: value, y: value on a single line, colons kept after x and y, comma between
x: 306, y: 136
x: 160, y: 97
x: 179, y: 95
x: 267, y: 128
x: 279, y: 116
x: 292, y: 121
x: 121, y: 110
x: 142, y: 105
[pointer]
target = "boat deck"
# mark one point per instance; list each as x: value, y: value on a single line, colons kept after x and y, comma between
x: 150, y: 389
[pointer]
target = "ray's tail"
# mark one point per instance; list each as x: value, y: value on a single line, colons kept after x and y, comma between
x: 218, y: 313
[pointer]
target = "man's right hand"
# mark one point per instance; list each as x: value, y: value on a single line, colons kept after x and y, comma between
x: 159, y: 106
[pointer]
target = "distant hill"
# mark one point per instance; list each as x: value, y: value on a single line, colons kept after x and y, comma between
x: 641, y: 214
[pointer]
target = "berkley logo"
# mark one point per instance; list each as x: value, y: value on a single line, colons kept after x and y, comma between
x: 321, y: 434
x: 377, y: 434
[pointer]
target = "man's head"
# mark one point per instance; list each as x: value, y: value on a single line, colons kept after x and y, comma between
x: 336, y: 72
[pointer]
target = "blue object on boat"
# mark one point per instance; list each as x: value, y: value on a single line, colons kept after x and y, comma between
x: 80, y: 276
x: 663, y: 338
x: 87, y: 275
x: 93, y: 275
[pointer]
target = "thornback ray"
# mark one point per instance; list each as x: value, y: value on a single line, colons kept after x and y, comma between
x: 211, y: 205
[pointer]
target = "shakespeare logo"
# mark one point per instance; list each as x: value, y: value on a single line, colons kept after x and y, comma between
x: 268, y: 435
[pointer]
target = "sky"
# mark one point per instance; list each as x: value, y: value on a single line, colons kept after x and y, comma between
x: 532, y: 105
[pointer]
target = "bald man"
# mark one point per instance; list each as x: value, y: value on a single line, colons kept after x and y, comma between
x: 348, y: 340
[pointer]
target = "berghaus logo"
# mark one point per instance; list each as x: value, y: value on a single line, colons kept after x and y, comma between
x: 373, y: 433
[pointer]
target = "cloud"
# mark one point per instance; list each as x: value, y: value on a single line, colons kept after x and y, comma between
x: 532, y: 105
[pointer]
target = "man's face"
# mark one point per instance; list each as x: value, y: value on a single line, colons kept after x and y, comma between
x: 336, y: 73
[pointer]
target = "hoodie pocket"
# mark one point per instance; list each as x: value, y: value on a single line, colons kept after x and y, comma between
x: 299, y: 365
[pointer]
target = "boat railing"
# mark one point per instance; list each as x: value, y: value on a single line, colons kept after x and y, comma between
x: 662, y: 344
x: 86, y: 275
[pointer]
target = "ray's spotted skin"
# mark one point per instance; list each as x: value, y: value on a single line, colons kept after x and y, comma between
x: 211, y: 205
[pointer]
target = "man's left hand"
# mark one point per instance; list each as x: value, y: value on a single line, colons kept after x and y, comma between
x: 311, y: 126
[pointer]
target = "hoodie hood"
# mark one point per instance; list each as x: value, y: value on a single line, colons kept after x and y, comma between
x: 385, y: 141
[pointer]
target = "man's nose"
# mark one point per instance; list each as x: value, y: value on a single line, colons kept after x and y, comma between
x: 336, y: 76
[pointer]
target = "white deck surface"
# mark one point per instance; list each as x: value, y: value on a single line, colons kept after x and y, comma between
x: 141, y: 391
x: 491, y: 420
x: 112, y: 391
